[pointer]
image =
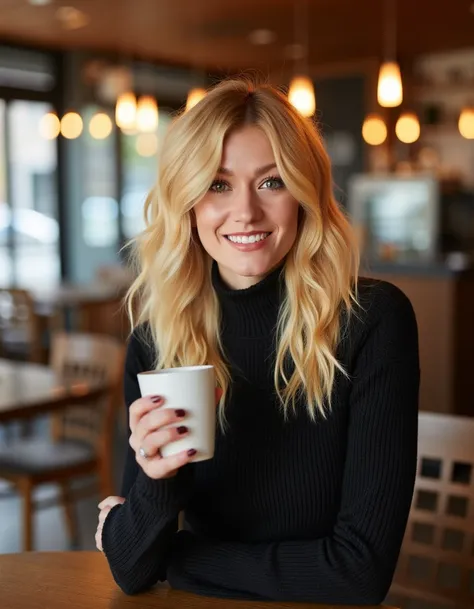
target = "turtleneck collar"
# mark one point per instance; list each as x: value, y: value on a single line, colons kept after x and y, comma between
x: 253, y: 311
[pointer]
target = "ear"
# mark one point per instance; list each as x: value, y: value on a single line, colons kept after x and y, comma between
x: 193, y: 219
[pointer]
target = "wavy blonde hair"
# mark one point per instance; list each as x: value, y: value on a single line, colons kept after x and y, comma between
x: 174, y: 289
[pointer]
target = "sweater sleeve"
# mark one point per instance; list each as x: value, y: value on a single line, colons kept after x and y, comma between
x: 355, y: 564
x: 136, y: 536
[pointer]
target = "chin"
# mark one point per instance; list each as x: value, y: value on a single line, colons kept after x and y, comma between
x: 252, y: 268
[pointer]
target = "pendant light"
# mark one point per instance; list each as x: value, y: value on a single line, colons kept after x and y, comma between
x: 390, y: 88
x: 408, y: 128
x: 194, y: 97
x: 301, y: 95
x: 126, y: 104
x: 301, y: 91
x: 100, y: 126
x: 374, y: 130
x: 50, y: 126
x: 466, y: 123
x: 71, y: 125
x: 147, y: 114
x: 198, y: 77
x: 126, y: 111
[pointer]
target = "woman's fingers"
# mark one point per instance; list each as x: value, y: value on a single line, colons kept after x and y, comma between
x: 219, y: 393
x: 111, y: 500
x: 141, y: 407
x: 105, y: 506
x: 104, y: 513
x: 156, y: 419
x: 164, y: 467
x: 154, y: 441
x: 98, y: 538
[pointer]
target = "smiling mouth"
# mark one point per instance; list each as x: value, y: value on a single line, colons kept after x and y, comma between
x: 254, y: 238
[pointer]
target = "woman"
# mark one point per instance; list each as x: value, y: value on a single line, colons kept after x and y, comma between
x: 248, y: 264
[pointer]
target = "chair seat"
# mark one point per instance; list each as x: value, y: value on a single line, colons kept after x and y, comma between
x: 37, y: 456
x: 16, y: 341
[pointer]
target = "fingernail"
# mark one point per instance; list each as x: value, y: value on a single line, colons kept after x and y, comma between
x: 191, y: 452
x: 156, y: 399
x: 182, y: 429
x: 180, y: 413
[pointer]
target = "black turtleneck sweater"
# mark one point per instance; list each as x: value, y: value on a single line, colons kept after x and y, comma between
x: 289, y: 510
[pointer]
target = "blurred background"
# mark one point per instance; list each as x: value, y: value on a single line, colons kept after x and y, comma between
x: 87, y: 90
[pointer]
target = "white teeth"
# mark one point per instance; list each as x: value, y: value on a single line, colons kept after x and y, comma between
x: 249, y: 239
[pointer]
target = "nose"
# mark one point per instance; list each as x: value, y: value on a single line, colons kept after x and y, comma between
x: 246, y: 207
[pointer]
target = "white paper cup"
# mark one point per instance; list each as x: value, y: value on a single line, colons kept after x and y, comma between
x: 191, y: 388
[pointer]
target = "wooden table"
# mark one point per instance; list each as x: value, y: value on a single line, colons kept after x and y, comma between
x: 71, y: 295
x: 81, y: 580
x: 27, y: 390
x: 92, y: 308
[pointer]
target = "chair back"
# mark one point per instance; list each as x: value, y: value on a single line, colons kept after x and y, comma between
x: 106, y: 316
x: 18, y: 324
x: 88, y: 358
x: 437, y: 558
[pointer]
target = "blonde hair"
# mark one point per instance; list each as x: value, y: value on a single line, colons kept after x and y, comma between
x: 174, y: 287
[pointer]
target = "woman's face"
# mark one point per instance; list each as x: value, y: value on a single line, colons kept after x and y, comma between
x: 247, y: 221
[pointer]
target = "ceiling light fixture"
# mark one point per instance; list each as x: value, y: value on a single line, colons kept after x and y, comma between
x: 147, y: 114
x: 374, y: 130
x: 100, y: 126
x: 408, y: 128
x: 71, y: 125
x: 194, y: 97
x: 390, y: 88
x: 466, y: 123
x: 126, y: 111
x: 301, y: 91
x: 50, y: 126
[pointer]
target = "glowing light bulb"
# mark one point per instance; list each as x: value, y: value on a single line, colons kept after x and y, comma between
x: 390, y: 89
x: 301, y: 95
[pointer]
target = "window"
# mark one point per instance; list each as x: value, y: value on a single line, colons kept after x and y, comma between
x: 29, y: 229
x: 140, y: 164
x: 5, y: 258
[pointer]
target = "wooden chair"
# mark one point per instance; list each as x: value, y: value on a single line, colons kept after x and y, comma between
x: 108, y: 316
x: 436, y: 566
x: 82, y: 436
x: 20, y: 332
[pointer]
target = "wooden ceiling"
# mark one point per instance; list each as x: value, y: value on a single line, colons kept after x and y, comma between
x: 214, y: 33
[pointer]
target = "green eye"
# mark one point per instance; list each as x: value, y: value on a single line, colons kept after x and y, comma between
x: 219, y: 186
x: 273, y: 183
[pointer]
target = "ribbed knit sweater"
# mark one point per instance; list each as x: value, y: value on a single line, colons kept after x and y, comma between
x: 289, y: 510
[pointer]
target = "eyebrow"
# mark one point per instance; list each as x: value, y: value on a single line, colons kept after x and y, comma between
x: 257, y: 172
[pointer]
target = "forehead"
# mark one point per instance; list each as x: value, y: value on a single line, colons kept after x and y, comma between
x: 245, y: 149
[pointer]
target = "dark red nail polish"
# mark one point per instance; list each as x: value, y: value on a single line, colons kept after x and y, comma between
x: 156, y: 399
x: 191, y: 452
x: 180, y: 413
x: 182, y: 429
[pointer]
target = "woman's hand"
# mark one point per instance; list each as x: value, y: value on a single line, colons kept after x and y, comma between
x: 105, y: 506
x: 152, y: 428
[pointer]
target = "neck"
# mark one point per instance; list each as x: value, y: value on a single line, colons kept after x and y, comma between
x: 238, y: 282
x: 250, y: 311
x: 242, y: 282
